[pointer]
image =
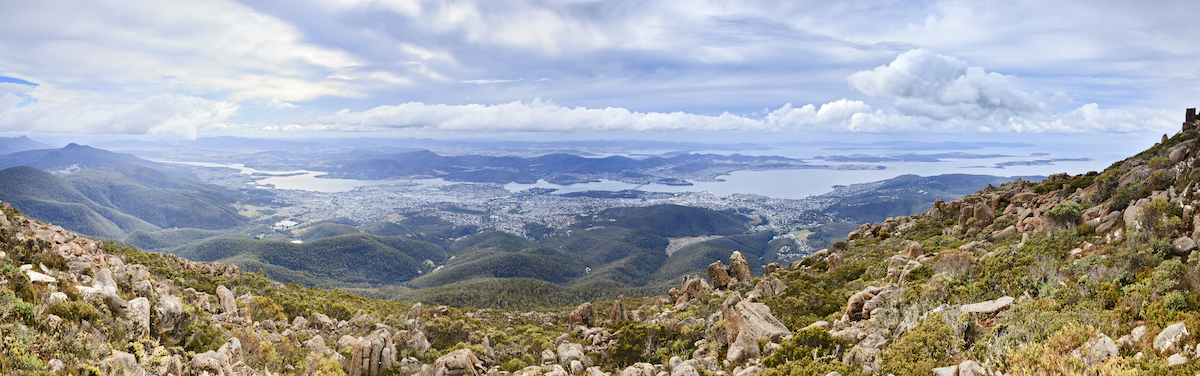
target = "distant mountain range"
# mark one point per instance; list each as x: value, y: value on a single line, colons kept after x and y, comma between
x: 555, y: 168
x: 75, y: 157
x: 15, y: 144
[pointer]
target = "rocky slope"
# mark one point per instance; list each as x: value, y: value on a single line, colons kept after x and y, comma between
x: 1097, y: 273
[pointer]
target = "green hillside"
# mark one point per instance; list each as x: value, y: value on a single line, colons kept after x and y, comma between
x: 49, y: 198
x: 115, y: 201
x: 346, y: 259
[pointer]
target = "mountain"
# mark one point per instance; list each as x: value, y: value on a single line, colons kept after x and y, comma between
x: 1088, y: 274
x: 906, y: 195
x: 10, y: 145
x: 563, y: 168
x: 114, y: 201
x: 75, y: 157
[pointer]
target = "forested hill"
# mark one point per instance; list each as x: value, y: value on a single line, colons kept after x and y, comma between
x: 114, y: 201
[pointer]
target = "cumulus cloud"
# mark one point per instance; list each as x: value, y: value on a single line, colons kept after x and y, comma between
x: 161, y: 114
x: 941, y: 87
x: 930, y: 92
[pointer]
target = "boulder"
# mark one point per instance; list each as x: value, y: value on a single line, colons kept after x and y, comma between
x: 639, y: 369
x: 320, y: 322
x: 232, y: 350
x: 739, y: 268
x: 212, y: 362
x: 171, y: 367
x: 861, y: 304
x: 945, y: 371
x: 418, y: 343
x: 989, y: 306
x: 970, y: 368
x: 684, y: 370
x: 1168, y: 339
x: 771, y: 268
x: 568, y: 352
x: 692, y: 288
x: 227, y: 301
x: 983, y: 215
x: 299, y: 323
x: 771, y: 287
x: 745, y: 324
x: 414, y: 313
x: 317, y: 345
x: 1099, y: 349
x: 582, y: 315
x: 718, y: 273
x: 55, y: 298
x: 36, y: 277
x: 1176, y: 360
x: 913, y: 250
x: 170, y: 312
x: 457, y: 363
x: 1183, y: 245
x: 619, y: 313
x: 139, y: 314
x: 144, y: 288
x: 548, y: 357
x: 121, y: 363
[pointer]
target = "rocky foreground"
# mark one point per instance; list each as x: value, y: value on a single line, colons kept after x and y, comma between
x: 1025, y: 278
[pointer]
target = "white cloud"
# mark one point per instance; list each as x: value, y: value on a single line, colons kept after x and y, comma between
x: 280, y: 105
x: 139, y: 48
x: 534, y: 116
x: 941, y: 87
x: 491, y: 81
x: 161, y: 114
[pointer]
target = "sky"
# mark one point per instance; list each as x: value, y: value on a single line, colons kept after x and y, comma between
x: 196, y: 68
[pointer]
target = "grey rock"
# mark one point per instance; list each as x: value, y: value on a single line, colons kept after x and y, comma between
x: 568, y: 352
x: 139, y: 314
x: 946, y: 371
x: 989, y: 306
x: 56, y: 297
x: 226, y: 299
x: 970, y: 368
x: 1176, y: 360
x: 1168, y: 339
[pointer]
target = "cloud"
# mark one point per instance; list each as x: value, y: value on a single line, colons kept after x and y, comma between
x: 941, y: 87
x: 161, y: 114
x: 534, y: 116
x: 280, y: 105
x: 492, y: 81
x: 931, y: 93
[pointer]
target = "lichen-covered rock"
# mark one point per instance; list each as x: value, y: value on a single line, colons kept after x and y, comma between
x: 457, y: 363
x: 226, y: 300
x: 139, y: 314
x: 745, y: 324
x: 1168, y: 339
x: 568, y: 352
x: 121, y: 363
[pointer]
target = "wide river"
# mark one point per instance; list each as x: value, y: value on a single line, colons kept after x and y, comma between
x: 775, y: 183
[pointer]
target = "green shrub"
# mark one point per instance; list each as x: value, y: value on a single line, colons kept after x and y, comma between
x: 1159, y: 163
x: 74, y: 311
x: 802, y: 346
x: 1067, y: 213
x: 1175, y: 300
x: 930, y: 344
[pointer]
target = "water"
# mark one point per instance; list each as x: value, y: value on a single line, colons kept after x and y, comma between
x: 794, y: 184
